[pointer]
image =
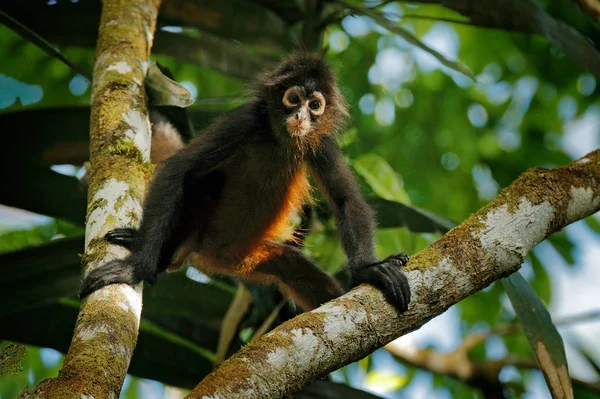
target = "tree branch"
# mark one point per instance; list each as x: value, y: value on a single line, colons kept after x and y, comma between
x: 107, y: 326
x: 489, y: 245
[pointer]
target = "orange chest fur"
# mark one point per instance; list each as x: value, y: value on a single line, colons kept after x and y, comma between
x: 261, y: 194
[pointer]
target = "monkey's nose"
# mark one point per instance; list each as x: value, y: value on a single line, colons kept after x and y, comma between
x: 297, y: 116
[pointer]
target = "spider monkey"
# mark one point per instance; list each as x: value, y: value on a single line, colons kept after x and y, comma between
x: 223, y: 203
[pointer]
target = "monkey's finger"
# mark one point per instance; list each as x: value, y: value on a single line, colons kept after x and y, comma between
x: 402, y: 283
x: 399, y: 299
x: 122, y: 236
x: 399, y: 259
x: 400, y: 277
x: 395, y: 276
x: 384, y: 281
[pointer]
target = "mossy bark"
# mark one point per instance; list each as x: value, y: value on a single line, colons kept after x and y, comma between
x: 106, y: 329
x: 489, y: 245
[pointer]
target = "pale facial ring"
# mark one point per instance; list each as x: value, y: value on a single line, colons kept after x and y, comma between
x: 294, y: 97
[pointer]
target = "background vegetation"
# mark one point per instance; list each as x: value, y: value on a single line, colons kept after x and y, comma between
x: 423, y: 134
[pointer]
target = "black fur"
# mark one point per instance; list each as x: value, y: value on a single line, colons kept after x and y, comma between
x: 355, y: 225
x: 187, y: 189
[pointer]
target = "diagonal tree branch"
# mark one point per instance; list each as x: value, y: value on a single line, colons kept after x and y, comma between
x: 107, y: 326
x: 489, y: 245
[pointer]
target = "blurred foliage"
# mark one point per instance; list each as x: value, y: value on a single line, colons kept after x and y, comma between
x: 428, y: 145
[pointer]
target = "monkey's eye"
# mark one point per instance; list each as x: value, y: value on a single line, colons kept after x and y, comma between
x: 292, y: 97
x: 314, y: 105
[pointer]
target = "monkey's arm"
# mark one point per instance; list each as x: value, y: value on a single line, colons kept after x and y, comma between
x: 356, y: 225
x: 175, y: 193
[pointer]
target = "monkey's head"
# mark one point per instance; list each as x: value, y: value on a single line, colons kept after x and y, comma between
x: 303, y: 100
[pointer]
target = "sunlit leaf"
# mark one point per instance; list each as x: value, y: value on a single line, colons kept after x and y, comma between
x: 383, y: 382
x: 232, y: 320
x: 544, y: 339
x: 378, y: 174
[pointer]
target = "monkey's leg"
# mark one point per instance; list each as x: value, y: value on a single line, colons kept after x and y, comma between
x: 295, y: 275
x: 169, y: 217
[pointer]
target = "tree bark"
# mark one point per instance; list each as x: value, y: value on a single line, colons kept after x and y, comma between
x: 107, y: 327
x: 489, y: 245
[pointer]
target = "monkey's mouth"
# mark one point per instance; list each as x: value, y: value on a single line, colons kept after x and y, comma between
x: 297, y: 127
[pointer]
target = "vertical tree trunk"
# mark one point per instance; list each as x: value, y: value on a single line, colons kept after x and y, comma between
x: 107, y: 327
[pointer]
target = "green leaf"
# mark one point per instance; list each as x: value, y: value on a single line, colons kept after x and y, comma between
x: 396, y: 214
x: 380, y: 176
x: 385, y: 382
x: 231, y: 322
x: 593, y: 223
x: 560, y: 241
x: 171, y: 361
x: 544, y: 339
x: 165, y: 91
x: 384, y: 22
x: 541, y: 282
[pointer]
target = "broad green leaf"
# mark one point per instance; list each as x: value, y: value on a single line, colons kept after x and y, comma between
x: 165, y: 91
x: 396, y: 214
x: 541, y: 282
x: 47, y: 273
x: 380, y: 176
x: 560, y: 241
x: 593, y: 223
x: 544, y: 339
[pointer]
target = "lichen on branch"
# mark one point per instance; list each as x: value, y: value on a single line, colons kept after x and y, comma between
x: 489, y: 245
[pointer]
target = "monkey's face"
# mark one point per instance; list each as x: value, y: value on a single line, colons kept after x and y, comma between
x: 303, y: 101
x: 303, y: 110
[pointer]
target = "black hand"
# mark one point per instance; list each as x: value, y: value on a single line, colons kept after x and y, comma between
x: 387, y: 277
x: 120, y: 271
x: 123, y: 236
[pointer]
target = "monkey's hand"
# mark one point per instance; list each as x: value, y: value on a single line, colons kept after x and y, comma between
x: 387, y: 277
x: 119, y: 271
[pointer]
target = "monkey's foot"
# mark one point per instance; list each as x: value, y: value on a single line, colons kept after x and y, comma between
x: 123, y: 236
x: 388, y: 278
x: 120, y: 271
